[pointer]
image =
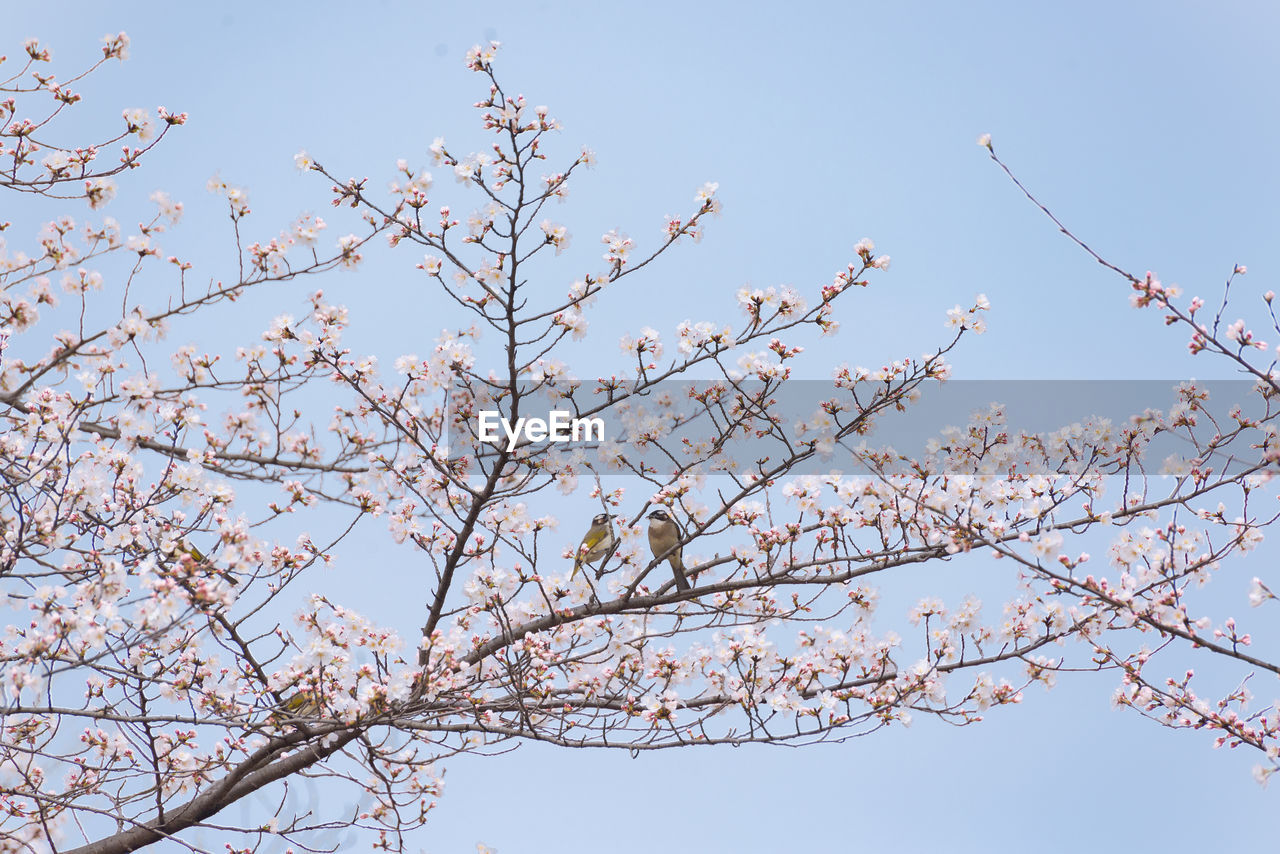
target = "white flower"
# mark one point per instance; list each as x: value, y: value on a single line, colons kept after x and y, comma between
x: 557, y: 235
x: 1259, y: 593
x: 437, y: 150
x: 1047, y: 544
x: 117, y: 46
x: 140, y: 123
x: 619, y: 246
x: 169, y: 209
x: 99, y: 191
x: 350, y: 257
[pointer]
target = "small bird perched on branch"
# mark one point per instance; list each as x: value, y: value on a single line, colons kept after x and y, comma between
x: 597, y: 542
x: 191, y: 551
x: 302, y: 704
x: 665, y: 535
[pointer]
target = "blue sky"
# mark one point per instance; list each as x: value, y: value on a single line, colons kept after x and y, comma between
x: 1149, y: 128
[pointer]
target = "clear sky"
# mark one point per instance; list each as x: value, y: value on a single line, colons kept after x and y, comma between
x: 1150, y: 128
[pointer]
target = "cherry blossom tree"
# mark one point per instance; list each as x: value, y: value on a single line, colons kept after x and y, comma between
x: 154, y: 497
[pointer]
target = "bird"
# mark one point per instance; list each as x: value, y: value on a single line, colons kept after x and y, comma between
x: 188, y: 549
x: 302, y: 704
x: 664, y: 535
x: 596, y: 543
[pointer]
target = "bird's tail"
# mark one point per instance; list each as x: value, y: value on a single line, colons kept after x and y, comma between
x: 677, y: 569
